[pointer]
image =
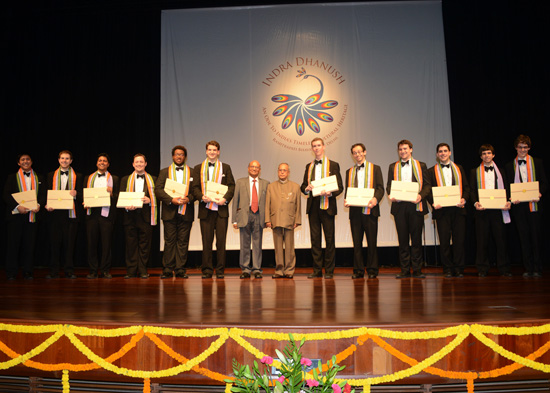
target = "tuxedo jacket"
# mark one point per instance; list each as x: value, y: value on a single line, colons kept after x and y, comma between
x: 145, y: 211
x: 169, y: 211
x: 474, y: 195
x: 436, y: 213
x: 540, y: 177
x: 241, y: 201
x: 334, y: 169
x: 227, y: 179
x: 11, y: 188
x: 378, y: 193
x: 62, y: 214
x: 114, y: 199
x: 424, y: 192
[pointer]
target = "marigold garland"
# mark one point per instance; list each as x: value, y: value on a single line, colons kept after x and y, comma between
x: 65, y: 381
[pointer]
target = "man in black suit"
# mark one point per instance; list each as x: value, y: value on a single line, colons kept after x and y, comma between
x: 213, y: 213
x: 100, y: 221
x: 139, y: 221
x: 528, y: 215
x: 177, y: 215
x: 321, y: 209
x: 451, y: 220
x: 409, y: 216
x: 364, y: 220
x: 20, y: 221
x: 63, y: 223
x: 490, y: 221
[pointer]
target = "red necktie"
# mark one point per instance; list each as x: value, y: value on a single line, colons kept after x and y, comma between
x: 254, y: 204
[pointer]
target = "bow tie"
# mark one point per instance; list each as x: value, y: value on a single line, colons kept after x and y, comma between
x: 211, y: 164
x: 317, y: 162
x: 100, y: 174
x: 361, y: 166
x: 141, y: 176
x: 27, y: 174
x: 522, y: 162
x: 66, y: 173
x: 488, y: 168
x: 404, y: 163
x: 179, y: 168
x: 445, y: 166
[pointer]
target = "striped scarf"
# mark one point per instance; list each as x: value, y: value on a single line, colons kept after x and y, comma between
x: 369, y: 180
x: 531, y: 177
x: 417, y: 173
x: 217, y: 177
x: 131, y: 186
x: 71, y: 182
x: 91, y: 181
x: 22, y: 185
x: 186, y: 179
x: 480, y: 172
x: 325, y: 172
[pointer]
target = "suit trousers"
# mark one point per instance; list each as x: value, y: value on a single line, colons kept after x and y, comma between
x: 252, y: 232
x: 138, y: 244
x: 213, y: 224
x: 452, y: 224
x: 99, y: 227
x: 176, y: 244
x: 320, y: 219
x: 63, y: 237
x: 361, y: 225
x: 487, y: 223
x: 409, y: 225
x: 529, y: 226
x: 285, y: 257
x: 21, y: 239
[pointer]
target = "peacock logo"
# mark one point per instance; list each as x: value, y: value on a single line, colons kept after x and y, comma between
x: 304, y: 112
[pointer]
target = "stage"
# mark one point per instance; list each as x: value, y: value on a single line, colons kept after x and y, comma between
x: 187, y: 331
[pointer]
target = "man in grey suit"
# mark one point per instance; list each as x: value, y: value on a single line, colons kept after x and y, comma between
x: 249, y: 216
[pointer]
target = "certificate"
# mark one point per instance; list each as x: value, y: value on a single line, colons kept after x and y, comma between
x: 525, y: 192
x: 406, y: 191
x: 359, y: 196
x: 130, y: 199
x: 328, y: 184
x: 97, y: 197
x: 60, y: 199
x: 175, y: 189
x: 492, y: 199
x: 215, y: 191
x: 27, y: 199
x: 446, y: 196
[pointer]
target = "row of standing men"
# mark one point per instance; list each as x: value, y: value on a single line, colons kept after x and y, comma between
x: 258, y: 204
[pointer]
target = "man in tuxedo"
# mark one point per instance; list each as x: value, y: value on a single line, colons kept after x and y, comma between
x: 213, y: 213
x: 451, y: 220
x: 409, y: 216
x: 100, y: 221
x: 63, y: 223
x: 248, y: 215
x: 177, y: 215
x: 321, y: 209
x: 490, y: 221
x: 20, y: 221
x: 364, y: 220
x: 139, y: 221
x: 283, y: 215
x: 528, y: 215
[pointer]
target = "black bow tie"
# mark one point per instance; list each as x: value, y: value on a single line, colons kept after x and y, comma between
x: 317, y: 162
x: 488, y: 168
x: 27, y: 174
x: 445, y: 166
x: 141, y: 176
x: 522, y: 162
x: 404, y: 163
x: 100, y: 174
x: 66, y: 173
x: 211, y: 164
x: 179, y: 168
x: 361, y: 166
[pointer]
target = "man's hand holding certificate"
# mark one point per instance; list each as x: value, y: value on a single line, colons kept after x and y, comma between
x: 359, y: 196
x: 216, y: 191
x: 326, y: 184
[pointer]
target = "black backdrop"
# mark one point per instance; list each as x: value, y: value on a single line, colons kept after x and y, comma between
x: 85, y: 76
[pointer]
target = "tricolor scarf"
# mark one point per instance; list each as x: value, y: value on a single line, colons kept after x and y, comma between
x: 369, y: 180
x: 22, y: 185
x: 531, y: 177
x: 91, y: 180
x: 500, y: 185
x: 417, y: 173
x: 325, y: 172
x: 71, y: 182
x: 217, y: 177
x: 440, y: 179
x: 131, y: 186
x: 186, y: 179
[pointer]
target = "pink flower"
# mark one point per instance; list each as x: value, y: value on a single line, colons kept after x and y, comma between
x: 281, y: 379
x: 267, y: 360
x: 336, y: 388
x: 311, y: 383
x: 305, y: 362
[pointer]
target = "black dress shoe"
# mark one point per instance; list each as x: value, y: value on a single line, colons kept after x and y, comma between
x: 508, y: 274
x: 356, y: 276
x: 403, y: 275
x: 107, y: 275
x: 144, y: 276
x: 166, y: 275
x: 448, y: 275
x: 220, y: 275
x: 11, y: 278
x: 129, y: 276
x: 329, y: 276
x: 50, y: 276
x: 206, y: 275
x: 182, y: 275
x: 28, y: 277
x: 372, y: 276
x: 257, y: 275
x: 289, y: 276
x: 315, y: 275
x: 245, y: 275
x: 418, y: 275
x: 71, y: 276
x: 537, y: 274
x: 91, y: 276
x: 277, y: 276
x: 482, y: 274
